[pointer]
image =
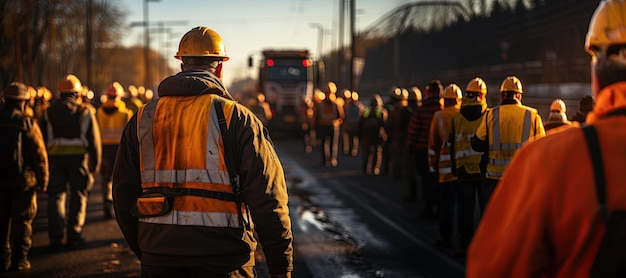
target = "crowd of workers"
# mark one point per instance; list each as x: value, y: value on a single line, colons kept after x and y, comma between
x: 437, y: 140
x: 72, y: 141
x: 167, y: 157
x: 445, y: 141
x: 505, y: 160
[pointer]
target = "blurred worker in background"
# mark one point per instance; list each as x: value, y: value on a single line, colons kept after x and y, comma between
x: 42, y: 102
x: 85, y: 98
x: 308, y: 124
x: 372, y: 135
x: 260, y: 108
x: 30, y: 102
x: 585, y: 106
x: 557, y: 119
x: 402, y: 165
x: 468, y: 165
x: 328, y: 116
x: 75, y: 151
x: 350, y: 128
x: 210, y: 167
x: 21, y: 175
x: 417, y: 142
x: 551, y: 215
x: 396, y: 102
x: 505, y: 129
x: 112, y: 117
x: 440, y: 164
x: 132, y: 100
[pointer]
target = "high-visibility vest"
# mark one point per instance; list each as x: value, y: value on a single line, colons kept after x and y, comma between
x: 70, y: 139
x: 112, y: 125
x: 464, y: 155
x: 181, y: 149
x: 368, y: 111
x: 439, y: 146
x: 509, y: 126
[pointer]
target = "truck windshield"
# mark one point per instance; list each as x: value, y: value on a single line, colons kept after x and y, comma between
x: 286, y: 73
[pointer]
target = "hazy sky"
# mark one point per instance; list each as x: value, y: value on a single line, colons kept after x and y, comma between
x: 249, y: 26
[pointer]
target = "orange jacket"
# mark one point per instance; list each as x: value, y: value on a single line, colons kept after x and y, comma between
x: 438, y: 144
x: 543, y: 218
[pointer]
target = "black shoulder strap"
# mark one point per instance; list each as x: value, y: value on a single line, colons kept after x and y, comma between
x: 229, y: 158
x: 230, y: 161
x: 593, y: 144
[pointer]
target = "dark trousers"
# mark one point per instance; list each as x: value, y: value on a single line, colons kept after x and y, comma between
x: 372, y: 158
x: 64, y: 170
x: 447, y: 204
x: 428, y: 183
x: 195, y: 272
x: 18, y: 208
x: 485, y: 191
x: 466, y: 200
x: 106, y: 172
x: 330, y: 144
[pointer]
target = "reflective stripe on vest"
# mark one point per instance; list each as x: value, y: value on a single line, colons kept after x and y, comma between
x: 496, y: 145
x: 445, y: 160
x: 498, y: 163
x: 464, y: 155
x: 111, y: 126
x: 180, y: 147
x: 68, y: 146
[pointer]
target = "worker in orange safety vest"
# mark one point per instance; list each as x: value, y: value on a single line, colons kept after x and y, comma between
x: 197, y: 177
x: 440, y: 163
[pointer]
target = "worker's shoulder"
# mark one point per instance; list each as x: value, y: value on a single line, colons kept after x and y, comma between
x: 531, y: 109
x: 561, y: 144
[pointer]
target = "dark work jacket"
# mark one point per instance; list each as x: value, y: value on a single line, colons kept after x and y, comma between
x: 34, y: 154
x: 261, y: 178
x: 63, y: 121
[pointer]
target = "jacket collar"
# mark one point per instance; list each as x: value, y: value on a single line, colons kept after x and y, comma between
x: 193, y: 83
x: 610, y: 98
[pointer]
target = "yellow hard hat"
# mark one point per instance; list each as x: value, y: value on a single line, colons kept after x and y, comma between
x: 405, y: 93
x: 452, y: 91
x: 201, y: 42
x: 354, y: 95
x: 511, y: 84
x: 415, y: 94
x: 331, y: 88
x: 477, y: 85
x: 32, y: 92
x: 17, y: 90
x: 607, y: 26
x: 558, y: 106
x: 396, y: 93
x: 70, y: 84
x: 44, y: 93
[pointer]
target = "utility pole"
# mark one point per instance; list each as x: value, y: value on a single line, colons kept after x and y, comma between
x: 352, y: 44
x: 146, y: 50
x: 89, y: 42
x: 340, y: 50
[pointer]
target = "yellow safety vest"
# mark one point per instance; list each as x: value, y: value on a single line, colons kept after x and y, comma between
x: 464, y: 155
x: 112, y: 125
x: 181, y: 149
x: 508, y: 127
